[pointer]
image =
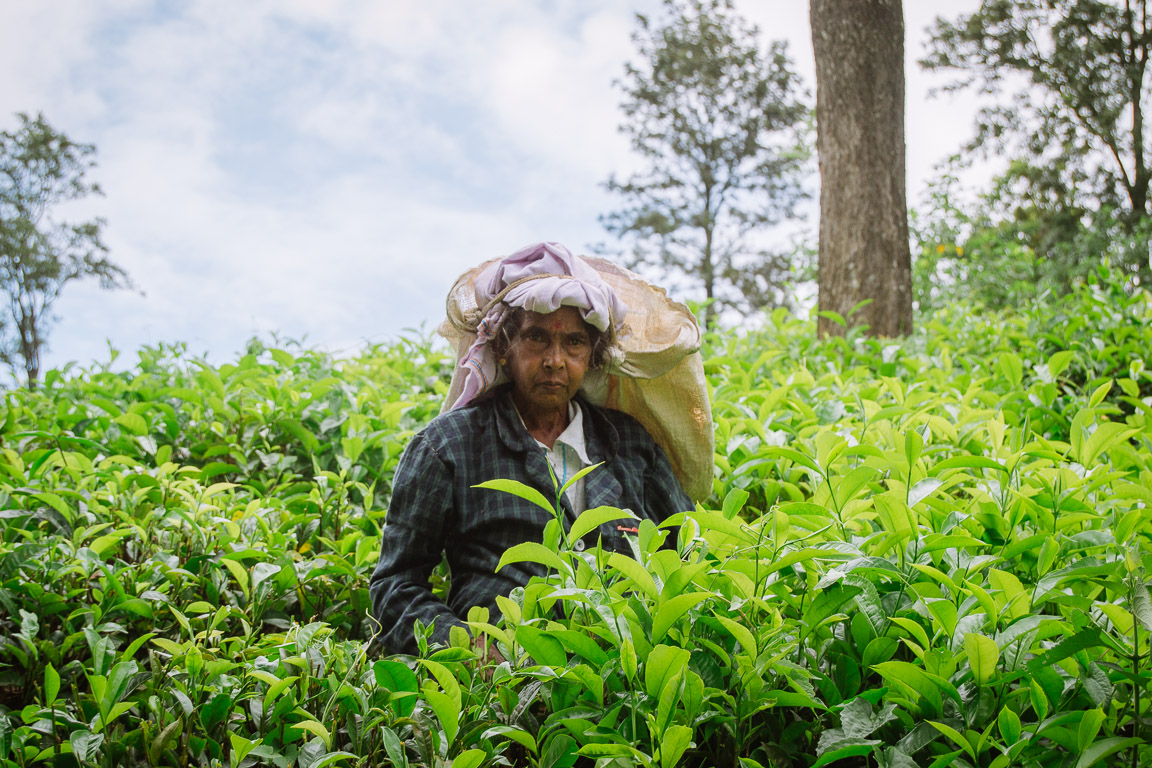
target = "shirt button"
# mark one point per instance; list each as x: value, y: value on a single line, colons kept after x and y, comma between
x: 579, y: 545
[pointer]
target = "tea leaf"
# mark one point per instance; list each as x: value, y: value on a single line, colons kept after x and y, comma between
x: 635, y: 573
x: 472, y: 758
x: 673, y: 744
x: 956, y: 737
x: 542, y: 647
x: 983, y: 655
x: 1008, y: 722
x: 1089, y: 726
x: 446, y: 708
x: 672, y: 610
x: 51, y: 684
x: 663, y: 663
x: 591, y: 519
x: 1105, y: 748
x: 531, y: 552
x: 520, y: 490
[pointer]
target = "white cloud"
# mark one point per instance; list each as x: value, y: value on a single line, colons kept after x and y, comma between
x: 327, y: 167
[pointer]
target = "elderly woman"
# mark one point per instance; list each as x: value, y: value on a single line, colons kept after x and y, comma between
x: 549, y: 321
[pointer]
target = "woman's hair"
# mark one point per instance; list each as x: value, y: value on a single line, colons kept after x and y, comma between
x: 600, y: 341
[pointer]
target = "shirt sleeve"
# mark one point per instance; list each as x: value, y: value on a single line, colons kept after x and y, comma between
x: 411, y: 546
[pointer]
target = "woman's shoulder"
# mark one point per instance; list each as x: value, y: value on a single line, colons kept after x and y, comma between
x: 453, y: 427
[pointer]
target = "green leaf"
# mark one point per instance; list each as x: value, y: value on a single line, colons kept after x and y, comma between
x: 793, y: 456
x: 394, y: 747
x: 1059, y: 361
x: 923, y: 490
x: 1008, y: 722
x: 472, y: 758
x: 85, y: 745
x: 913, y: 628
x: 591, y: 519
x: 743, y: 636
x: 133, y: 422
x: 532, y: 552
x: 1141, y: 605
x: 518, y: 735
x: 955, y: 736
x: 611, y: 750
x: 168, y: 735
x: 1099, y: 394
x: 446, y: 680
x: 676, y: 740
x: 983, y: 655
x: 628, y: 658
x: 293, y: 427
x: 849, y: 750
x: 671, y: 611
x: 582, y: 645
x: 967, y: 462
x: 214, y: 712
x: 1089, y: 727
x: 1012, y: 368
x: 663, y: 663
x: 635, y: 573
x: 446, y: 709
x: 239, y: 572
x: 912, y: 678
x: 397, y: 678
x: 560, y: 752
x: 521, y: 490
x: 541, y: 646
x: 1106, y: 435
x: 51, y: 684
x: 578, y: 476
x: 734, y: 502
x: 1105, y: 748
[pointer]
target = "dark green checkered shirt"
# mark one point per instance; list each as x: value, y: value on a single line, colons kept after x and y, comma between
x: 436, y: 510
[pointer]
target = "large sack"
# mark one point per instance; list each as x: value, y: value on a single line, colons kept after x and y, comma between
x: 658, y: 379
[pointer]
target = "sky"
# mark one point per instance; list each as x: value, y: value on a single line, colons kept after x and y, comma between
x: 322, y: 170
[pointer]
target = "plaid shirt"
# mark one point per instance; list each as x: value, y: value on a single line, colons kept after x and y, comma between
x: 436, y: 510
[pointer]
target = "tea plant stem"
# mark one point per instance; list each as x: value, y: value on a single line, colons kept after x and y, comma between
x: 836, y: 507
x: 1132, y: 586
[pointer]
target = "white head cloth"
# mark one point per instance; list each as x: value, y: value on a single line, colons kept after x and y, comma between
x: 541, y: 277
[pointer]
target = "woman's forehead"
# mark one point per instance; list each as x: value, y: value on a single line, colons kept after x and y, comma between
x: 563, y: 320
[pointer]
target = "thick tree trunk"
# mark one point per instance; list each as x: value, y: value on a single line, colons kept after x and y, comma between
x: 864, y: 254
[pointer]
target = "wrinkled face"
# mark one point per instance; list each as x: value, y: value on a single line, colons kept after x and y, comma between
x: 548, y: 359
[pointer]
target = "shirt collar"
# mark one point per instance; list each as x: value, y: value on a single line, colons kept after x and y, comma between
x: 602, y: 441
x: 573, y: 434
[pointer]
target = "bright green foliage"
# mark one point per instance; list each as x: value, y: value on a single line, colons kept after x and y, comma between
x: 927, y: 552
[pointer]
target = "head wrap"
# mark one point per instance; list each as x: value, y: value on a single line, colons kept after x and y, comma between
x: 539, y: 278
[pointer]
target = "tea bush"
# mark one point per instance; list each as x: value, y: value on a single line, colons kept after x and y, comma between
x: 932, y: 551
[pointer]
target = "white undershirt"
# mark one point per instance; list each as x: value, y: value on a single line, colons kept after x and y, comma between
x: 568, y: 455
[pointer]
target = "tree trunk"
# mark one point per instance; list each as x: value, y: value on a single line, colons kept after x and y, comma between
x: 864, y: 253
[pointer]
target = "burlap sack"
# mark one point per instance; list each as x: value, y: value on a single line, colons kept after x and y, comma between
x: 659, y: 380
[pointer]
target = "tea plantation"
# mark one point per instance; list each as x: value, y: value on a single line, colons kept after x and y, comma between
x: 925, y: 552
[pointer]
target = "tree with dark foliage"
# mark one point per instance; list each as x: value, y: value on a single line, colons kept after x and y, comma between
x: 720, y: 125
x: 1070, y: 80
x: 39, y: 170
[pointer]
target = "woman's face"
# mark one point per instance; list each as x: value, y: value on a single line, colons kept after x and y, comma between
x: 548, y: 359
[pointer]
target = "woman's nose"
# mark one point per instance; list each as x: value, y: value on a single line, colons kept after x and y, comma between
x: 553, y: 356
